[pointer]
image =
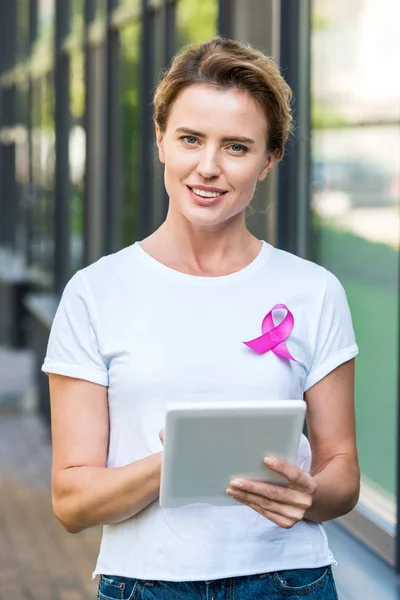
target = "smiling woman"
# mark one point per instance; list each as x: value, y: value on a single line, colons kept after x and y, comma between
x: 213, y: 167
x: 222, y: 115
x: 164, y: 320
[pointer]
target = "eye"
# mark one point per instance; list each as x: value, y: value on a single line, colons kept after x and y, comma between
x: 190, y: 140
x: 239, y: 149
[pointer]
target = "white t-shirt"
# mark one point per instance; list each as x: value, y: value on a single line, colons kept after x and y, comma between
x: 155, y: 335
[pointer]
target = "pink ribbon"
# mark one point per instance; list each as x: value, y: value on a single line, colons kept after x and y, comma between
x: 273, y: 336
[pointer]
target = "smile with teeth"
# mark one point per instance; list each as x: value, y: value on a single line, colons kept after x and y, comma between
x: 206, y: 194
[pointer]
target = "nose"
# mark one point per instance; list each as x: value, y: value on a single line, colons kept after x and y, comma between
x: 208, y: 165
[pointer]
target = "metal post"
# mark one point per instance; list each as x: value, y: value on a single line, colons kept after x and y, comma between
x: 146, y: 125
x: 88, y: 80
x: 62, y: 126
x: 224, y: 18
x: 169, y: 26
x: 113, y: 158
x: 294, y: 221
x: 169, y: 17
x: 8, y: 196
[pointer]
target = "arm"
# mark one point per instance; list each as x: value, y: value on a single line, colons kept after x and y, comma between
x: 85, y: 492
x: 332, y: 488
x: 332, y: 435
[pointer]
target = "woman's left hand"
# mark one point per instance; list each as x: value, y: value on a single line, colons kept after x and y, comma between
x: 285, y: 506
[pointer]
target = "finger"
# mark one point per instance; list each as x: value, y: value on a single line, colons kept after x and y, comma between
x: 277, y: 493
x: 293, y: 513
x: 161, y: 435
x: 297, y: 478
x: 279, y: 520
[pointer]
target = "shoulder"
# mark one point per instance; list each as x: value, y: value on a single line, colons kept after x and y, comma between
x: 289, y: 264
x: 306, y: 276
x: 100, y: 280
x: 109, y: 266
x: 107, y: 273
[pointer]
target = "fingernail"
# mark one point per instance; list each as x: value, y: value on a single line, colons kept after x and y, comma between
x: 229, y: 492
x: 271, y: 462
x: 236, y: 483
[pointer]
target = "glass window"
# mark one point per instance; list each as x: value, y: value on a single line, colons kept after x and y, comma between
x: 196, y: 21
x: 130, y: 95
x: 101, y: 8
x: 43, y: 162
x: 77, y: 157
x: 46, y: 16
x: 355, y: 187
x: 22, y: 171
x: 22, y: 37
x: 8, y: 153
x: 77, y: 16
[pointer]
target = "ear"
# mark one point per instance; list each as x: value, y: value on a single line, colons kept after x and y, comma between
x: 271, y: 159
x: 160, y: 144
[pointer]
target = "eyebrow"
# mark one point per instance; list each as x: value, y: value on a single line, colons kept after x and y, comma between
x: 235, y: 138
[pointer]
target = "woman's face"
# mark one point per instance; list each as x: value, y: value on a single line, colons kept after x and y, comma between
x: 214, y: 151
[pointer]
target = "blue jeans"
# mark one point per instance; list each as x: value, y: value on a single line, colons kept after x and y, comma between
x: 299, y: 584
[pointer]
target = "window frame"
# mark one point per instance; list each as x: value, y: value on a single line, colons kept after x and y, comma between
x: 295, y: 234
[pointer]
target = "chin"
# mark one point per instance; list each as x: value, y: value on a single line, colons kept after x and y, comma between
x: 207, y: 219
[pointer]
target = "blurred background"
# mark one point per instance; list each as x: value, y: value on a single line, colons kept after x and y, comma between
x: 79, y: 178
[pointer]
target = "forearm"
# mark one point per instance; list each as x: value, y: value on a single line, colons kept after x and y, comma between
x: 87, y: 496
x: 338, y: 487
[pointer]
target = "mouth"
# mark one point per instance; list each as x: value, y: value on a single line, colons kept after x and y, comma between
x: 206, y: 196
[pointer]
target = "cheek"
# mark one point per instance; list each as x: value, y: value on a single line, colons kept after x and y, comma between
x: 178, y: 164
x: 244, y: 178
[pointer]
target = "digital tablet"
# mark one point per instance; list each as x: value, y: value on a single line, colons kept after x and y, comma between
x: 207, y: 444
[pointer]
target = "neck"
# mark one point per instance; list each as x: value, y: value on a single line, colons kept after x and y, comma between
x: 216, y: 250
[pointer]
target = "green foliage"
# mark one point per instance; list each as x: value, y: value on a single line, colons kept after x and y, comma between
x: 77, y: 84
x: 319, y: 21
x: 47, y: 103
x: 325, y: 117
x: 196, y: 21
x: 354, y: 257
x: 369, y: 274
x: 374, y: 311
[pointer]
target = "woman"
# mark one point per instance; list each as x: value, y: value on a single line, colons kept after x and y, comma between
x: 165, y: 319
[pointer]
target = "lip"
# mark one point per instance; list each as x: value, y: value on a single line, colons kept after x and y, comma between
x: 206, y: 188
x: 199, y: 200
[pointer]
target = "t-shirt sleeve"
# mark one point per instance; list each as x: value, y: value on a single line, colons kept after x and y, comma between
x: 73, y: 348
x: 335, y: 341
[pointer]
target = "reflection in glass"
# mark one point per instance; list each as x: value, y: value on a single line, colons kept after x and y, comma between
x: 46, y: 14
x: 355, y: 195
x: 196, y: 21
x: 43, y: 162
x: 101, y: 8
x: 77, y: 16
x: 22, y: 171
x: 22, y: 37
x: 77, y: 157
x: 130, y: 3
x: 130, y: 94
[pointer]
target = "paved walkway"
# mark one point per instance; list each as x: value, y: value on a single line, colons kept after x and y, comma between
x: 38, y: 559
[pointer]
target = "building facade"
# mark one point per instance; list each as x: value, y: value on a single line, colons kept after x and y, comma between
x: 79, y: 176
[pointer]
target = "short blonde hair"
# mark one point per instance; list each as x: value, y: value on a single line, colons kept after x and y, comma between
x: 228, y: 64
